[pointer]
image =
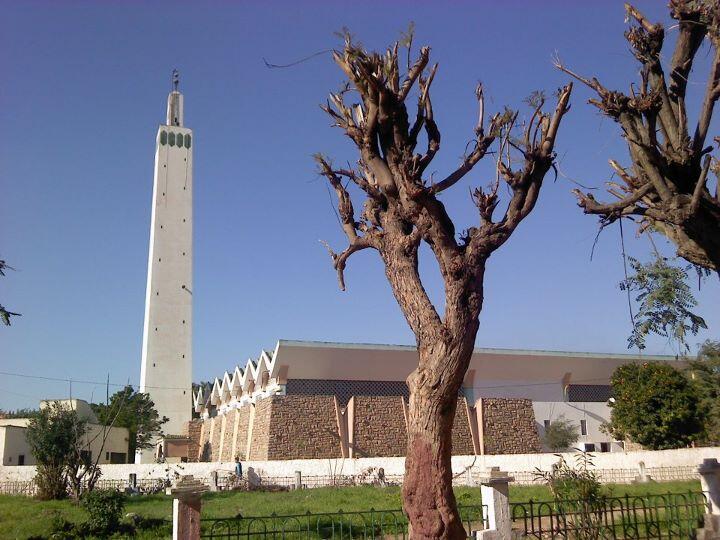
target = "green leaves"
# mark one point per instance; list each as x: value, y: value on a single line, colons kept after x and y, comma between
x: 655, y: 406
x: 136, y: 412
x: 665, y: 302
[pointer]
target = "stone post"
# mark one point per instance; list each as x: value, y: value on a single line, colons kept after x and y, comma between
x: 214, y: 481
x: 132, y: 481
x: 494, y: 490
x: 187, y: 504
x: 298, y: 480
x: 709, y: 471
x: 643, y: 477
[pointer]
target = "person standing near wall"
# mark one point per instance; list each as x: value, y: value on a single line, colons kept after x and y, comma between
x: 238, y: 468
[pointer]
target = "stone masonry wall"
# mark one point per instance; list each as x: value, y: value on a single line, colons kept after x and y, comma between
x: 242, y: 431
x: 194, y: 427
x: 462, y: 444
x: 301, y: 427
x: 215, y: 441
x: 227, y: 443
x: 509, y: 426
x: 261, y: 429
x: 379, y: 426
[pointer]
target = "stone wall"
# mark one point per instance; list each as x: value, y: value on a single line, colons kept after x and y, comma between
x: 379, y: 426
x: 261, y: 423
x: 462, y: 444
x: 229, y: 436
x: 509, y: 426
x: 301, y: 427
x: 215, y: 441
x: 305, y: 427
x: 194, y: 429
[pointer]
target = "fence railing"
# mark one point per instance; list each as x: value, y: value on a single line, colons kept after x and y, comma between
x: 385, y: 524
x: 665, y: 516
x: 226, y: 480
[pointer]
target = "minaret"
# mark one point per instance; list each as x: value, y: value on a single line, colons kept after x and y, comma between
x: 166, y: 372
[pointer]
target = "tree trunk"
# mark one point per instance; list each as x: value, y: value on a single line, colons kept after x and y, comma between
x: 428, y: 495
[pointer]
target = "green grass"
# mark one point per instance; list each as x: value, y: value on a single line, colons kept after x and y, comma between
x: 23, y: 518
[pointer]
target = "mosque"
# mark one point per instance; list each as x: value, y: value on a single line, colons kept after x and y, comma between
x: 306, y: 400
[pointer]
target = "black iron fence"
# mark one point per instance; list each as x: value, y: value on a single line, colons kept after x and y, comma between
x: 666, y: 516
x: 371, y: 524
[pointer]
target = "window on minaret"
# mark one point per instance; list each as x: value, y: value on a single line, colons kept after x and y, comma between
x: 163, y: 137
x: 171, y: 139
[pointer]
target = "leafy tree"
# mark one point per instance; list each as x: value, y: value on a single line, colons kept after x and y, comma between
x: 4, y: 313
x: 20, y: 413
x: 705, y: 377
x: 654, y: 405
x: 561, y: 434
x: 402, y: 208
x: 136, y: 412
x: 664, y: 300
x: 54, y: 437
x: 666, y: 187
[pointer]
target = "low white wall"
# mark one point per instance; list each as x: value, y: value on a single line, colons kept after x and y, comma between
x: 517, y: 463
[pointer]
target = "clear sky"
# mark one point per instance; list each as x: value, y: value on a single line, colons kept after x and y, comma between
x: 83, y: 89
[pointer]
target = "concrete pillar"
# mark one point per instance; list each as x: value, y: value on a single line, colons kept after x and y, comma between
x: 494, y: 489
x: 709, y: 472
x: 643, y: 477
x: 214, y: 481
x: 187, y: 505
x: 298, y: 480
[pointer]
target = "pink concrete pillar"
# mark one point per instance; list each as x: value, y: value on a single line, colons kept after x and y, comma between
x: 187, y: 506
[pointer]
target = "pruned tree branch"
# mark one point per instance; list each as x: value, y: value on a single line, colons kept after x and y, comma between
x: 667, y: 190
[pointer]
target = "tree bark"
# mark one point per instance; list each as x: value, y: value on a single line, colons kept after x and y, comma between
x: 429, y: 501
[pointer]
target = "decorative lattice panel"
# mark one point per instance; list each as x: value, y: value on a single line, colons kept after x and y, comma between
x: 344, y: 390
x: 589, y: 392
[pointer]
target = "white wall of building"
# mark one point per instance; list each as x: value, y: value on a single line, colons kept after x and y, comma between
x: 594, y: 414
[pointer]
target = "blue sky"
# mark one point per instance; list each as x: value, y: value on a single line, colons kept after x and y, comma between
x: 84, y: 87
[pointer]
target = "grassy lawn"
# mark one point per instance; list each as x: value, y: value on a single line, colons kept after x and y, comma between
x: 25, y: 518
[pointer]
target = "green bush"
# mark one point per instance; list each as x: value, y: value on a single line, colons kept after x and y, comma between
x: 105, y: 509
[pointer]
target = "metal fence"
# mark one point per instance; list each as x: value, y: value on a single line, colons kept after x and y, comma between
x: 371, y: 524
x: 666, y: 516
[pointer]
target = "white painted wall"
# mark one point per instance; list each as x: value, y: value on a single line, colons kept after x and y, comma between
x: 14, y: 444
x: 593, y: 413
x: 518, y: 463
x: 166, y: 369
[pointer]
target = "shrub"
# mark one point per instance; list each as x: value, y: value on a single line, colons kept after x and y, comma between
x: 105, y: 508
x: 561, y: 434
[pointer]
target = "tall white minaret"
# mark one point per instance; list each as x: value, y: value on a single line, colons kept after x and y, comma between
x: 166, y: 372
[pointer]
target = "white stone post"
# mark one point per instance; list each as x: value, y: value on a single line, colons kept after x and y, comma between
x: 187, y: 506
x: 709, y: 471
x: 298, y: 480
x: 494, y: 490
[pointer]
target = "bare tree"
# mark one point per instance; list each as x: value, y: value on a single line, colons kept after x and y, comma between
x: 666, y: 188
x: 400, y: 210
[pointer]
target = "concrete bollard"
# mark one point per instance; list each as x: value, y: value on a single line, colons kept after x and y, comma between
x: 298, y: 480
x: 709, y: 471
x: 494, y: 489
x: 643, y: 477
x: 214, y: 481
x: 187, y: 505
x: 132, y: 481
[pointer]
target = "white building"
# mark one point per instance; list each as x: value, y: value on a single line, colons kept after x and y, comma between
x: 166, y: 369
x: 110, y: 444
